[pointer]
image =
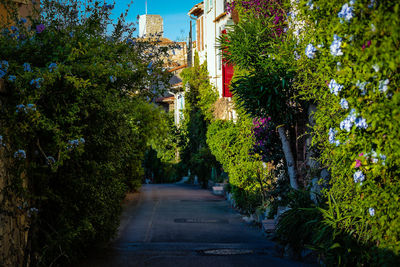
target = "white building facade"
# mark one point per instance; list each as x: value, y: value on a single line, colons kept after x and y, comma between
x: 211, y: 22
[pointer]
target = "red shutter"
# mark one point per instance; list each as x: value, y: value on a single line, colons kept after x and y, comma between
x: 227, y: 74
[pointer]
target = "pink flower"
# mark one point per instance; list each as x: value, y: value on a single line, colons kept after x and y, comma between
x: 40, y: 28
x: 361, y: 154
x: 358, y: 163
x: 369, y: 43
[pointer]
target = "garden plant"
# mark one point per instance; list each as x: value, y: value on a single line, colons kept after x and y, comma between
x: 75, y: 122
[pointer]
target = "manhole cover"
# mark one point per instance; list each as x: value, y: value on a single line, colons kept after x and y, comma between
x: 227, y: 252
x: 198, y: 220
x: 202, y: 200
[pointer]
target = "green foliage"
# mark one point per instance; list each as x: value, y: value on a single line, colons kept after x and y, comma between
x: 161, y: 161
x: 298, y: 225
x: 266, y: 89
x: 199, y: 102
x: 85, y: 122
x: 202, y: 94
x: 231, y: 143
x: 355, y: 145
x: 369, y: 53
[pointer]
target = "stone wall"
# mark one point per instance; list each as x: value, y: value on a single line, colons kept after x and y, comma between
x: 223, y: 109
x: 14, y: 211
x: 14, y: 219
x: 150, y: 25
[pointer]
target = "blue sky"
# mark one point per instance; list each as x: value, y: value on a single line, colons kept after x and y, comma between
x: 174, y: 13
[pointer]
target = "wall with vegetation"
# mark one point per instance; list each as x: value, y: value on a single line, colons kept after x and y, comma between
x: 75, y: 125
x: 343, y: 57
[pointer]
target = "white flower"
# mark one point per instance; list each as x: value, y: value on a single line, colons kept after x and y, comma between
x: 373, y: 28
x: 374, y: 156
x: 348, y: 122
x: 310, y: 5
x: 383, y: 158
x: 334, y: 87
x: 310, y: 51
x: 375, y: 67
x: 383, y: 85
x: 358, y: 177
x: 332, y: 138
x: 292, y: 15
x: 371, y: 211
x: 344, y: 104
x: 361, y: 123
x: 335, y: 46
x: 338, y: 65
x: 346, y: 12
x: 361, y: 86
x: 296, y: 55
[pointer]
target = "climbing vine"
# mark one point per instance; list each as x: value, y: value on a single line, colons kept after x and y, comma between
x: 75, y: 121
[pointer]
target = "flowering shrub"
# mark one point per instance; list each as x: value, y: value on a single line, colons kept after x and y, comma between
x: 269, y: 9
x: 353, y: 76
x: 342, y: 56
x: 233, y: 146
x: 258, y: 49
x: 266, y: 140
x: 75, y: 120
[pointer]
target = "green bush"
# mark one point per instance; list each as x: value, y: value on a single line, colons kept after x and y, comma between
x: 76, y: 121
x: 265, y: 71
x: 232, y: 144
x: 349, y: 66
x: 199, y: 102
x: 298, y: 225
x: 343, y: 57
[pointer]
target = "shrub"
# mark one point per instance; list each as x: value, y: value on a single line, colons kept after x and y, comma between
x: 199, y: 101
x: 75, y: 120
x: 258, y: 47
x: 232, y: 144
x: 349, y: 66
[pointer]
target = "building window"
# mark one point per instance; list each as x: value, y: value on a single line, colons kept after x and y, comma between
x: 209, y: 5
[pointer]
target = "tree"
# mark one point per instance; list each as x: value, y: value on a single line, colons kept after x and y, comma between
x: 75, y: 122
x: 257, y: 45
x: 199, y: 100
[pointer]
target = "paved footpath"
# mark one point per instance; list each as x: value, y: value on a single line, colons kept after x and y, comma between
x: 182, y: 225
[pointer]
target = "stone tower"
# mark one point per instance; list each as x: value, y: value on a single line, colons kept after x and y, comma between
x: 150, y: 25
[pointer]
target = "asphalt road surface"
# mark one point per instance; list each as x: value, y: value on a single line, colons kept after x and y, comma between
x: 182, y: 225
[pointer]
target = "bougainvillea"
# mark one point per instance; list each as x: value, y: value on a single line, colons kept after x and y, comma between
x: 271, y: 9
x: 266, y: 140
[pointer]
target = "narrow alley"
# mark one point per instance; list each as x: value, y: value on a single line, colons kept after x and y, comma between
x: 182, y: 225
